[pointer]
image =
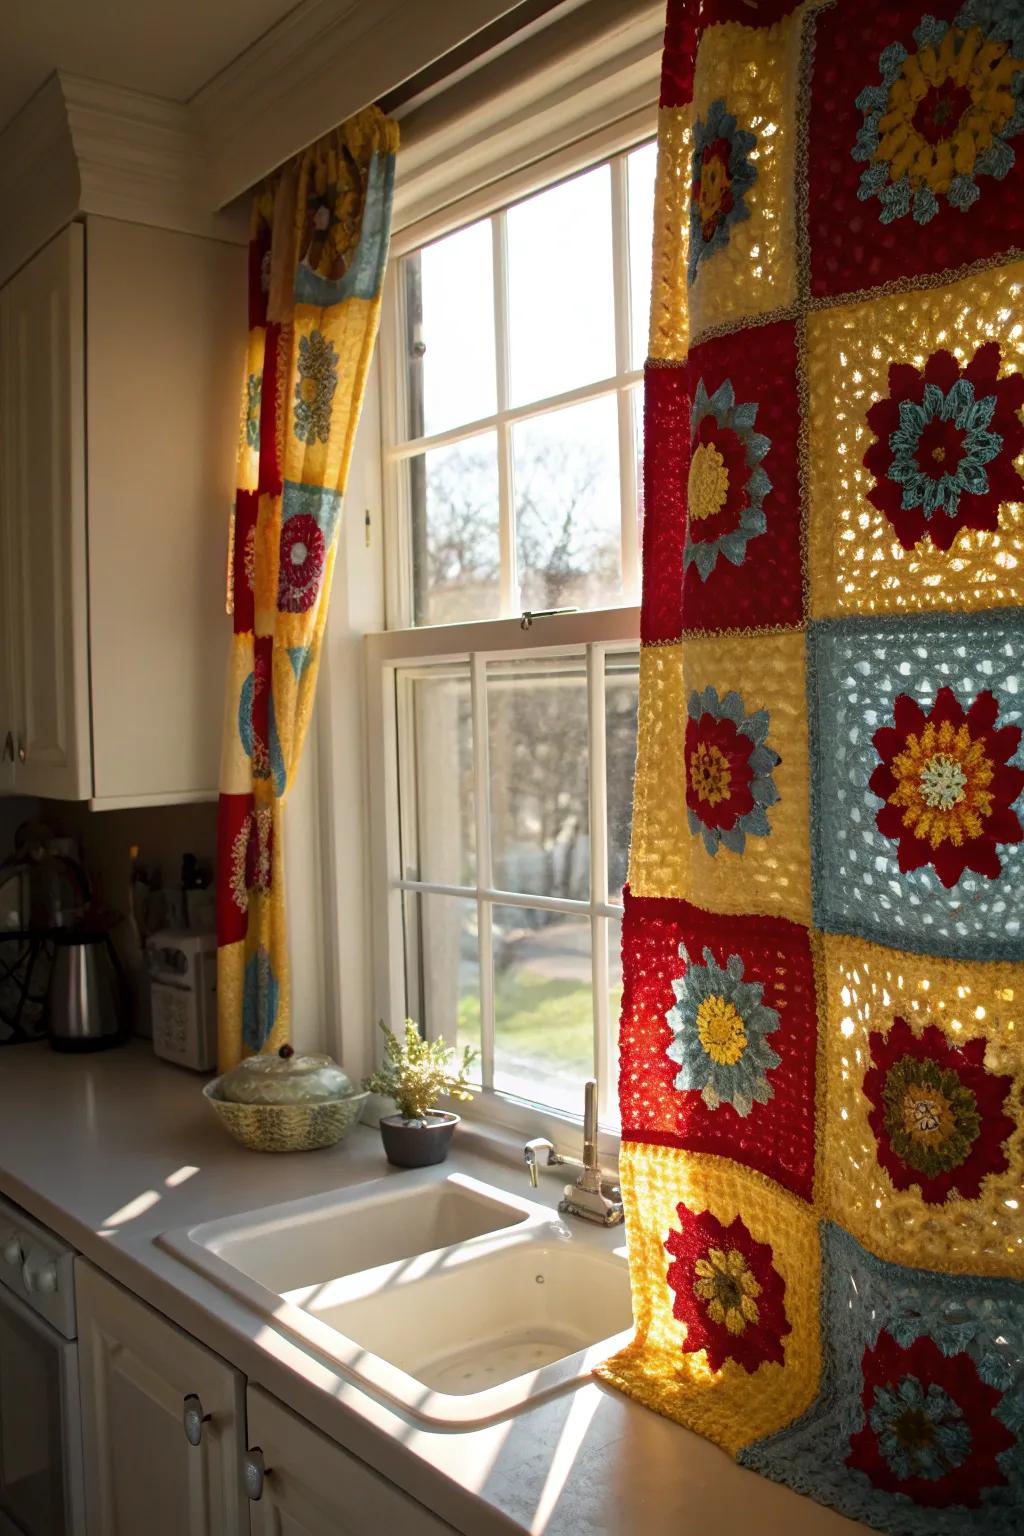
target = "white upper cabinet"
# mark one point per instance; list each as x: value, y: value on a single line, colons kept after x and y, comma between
x: 122, y: 353
x: 167, y: 316
x: 43, y: 518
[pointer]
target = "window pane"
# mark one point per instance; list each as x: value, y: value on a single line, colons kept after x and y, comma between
x: 567, y: 501
x: 622, y: 677
x: 561, y: 309
x: 543, y: 1006
x: 614, y: 1014
x: 436, y: 748
x: 443, y: 971
x: 537, y: 724
x: 641, y: 165
x: 453, y: 495
x: 450, y: 312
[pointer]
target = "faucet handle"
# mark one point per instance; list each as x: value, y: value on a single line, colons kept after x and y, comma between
x: 530, y: 1154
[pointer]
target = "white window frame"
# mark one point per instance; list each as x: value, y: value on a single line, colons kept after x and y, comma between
x: 597, y: 633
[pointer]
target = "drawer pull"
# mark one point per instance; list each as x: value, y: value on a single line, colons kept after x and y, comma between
x: 254, y: 1473
x: 193, y: 1418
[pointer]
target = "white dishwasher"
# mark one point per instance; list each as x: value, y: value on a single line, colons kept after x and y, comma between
x: 40, y: 1414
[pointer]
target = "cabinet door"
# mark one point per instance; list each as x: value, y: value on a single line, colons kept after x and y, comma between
x: 142, y: 1473
x: 167, y: 336
x: 43, y: 492
x: 311, y: 1487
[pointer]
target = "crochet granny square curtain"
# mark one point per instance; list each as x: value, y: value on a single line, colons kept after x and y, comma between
x: 822, y: 1041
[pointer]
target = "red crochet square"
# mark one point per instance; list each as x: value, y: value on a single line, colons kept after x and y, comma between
x: 233, y: 822
x: 742, y: 550
x: 717, y: 1052
x: 932, y: 224
x: 666, y: 450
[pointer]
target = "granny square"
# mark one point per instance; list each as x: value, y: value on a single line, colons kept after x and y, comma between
x: 917, y: 773
x: 718, y: 1041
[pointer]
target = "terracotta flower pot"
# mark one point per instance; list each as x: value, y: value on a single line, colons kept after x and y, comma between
x: 418, y: 1143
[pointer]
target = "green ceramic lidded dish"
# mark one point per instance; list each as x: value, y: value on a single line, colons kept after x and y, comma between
x: 285, y: 1102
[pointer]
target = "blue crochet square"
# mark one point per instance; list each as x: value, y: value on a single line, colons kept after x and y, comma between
x: 917, y: 1425
x: 916, y: 804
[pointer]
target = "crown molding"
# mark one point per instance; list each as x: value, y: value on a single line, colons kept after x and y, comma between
x: 141, y: 159
x: 40, y: 188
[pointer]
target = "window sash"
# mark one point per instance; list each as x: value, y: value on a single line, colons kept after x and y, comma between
x: 394, y: 657
x: 399, y: 447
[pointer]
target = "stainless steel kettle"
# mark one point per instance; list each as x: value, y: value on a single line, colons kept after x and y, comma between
x: 86, y: 1004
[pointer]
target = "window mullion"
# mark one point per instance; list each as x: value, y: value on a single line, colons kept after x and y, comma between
x: 509, y: 585
x: 598, y: 870
x: 623, y: 359
x: 482, y: 799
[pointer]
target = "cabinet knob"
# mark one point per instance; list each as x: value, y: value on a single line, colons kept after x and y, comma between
x: 42, y: 1279
x: 193, y: 1418
x: 254, y: 1474
x: 14, y: 1253
x: 22, y: 754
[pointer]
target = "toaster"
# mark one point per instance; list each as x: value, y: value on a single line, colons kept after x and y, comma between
x: 182, y: 967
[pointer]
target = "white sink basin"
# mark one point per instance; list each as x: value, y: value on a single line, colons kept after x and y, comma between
x: 448, y: 1297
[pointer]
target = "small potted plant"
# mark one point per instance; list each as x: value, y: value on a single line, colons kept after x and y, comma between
x: 415, y: 1073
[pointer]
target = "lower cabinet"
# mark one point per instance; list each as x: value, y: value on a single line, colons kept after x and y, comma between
x: 163, y: 1422
x: 168, y: 1453
x: 303, y: 1484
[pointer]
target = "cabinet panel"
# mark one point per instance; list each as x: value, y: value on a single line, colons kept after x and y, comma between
x: 142, y: 1474
x: 167, y: 336
x: 312, y: 1487
x: 44, y: 510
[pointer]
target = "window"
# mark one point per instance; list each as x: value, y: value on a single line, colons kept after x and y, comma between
x: 504, y: 772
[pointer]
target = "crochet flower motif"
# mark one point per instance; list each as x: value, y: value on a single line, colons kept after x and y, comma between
x: 252, y: 857
x: 318, y: 379
x: 727, y: 484
x: 948, y: 785
x: 946, y: 442
x: 301, y: 564
x: 331, y: 225
x: 727, y: 1292
x: 722, y: 175
x: 943, y: 115
x: 931, y: 1432
x: 728, y: 769
x: 253, y: 397
x: 719, y: 1025
x: 937, y: 1115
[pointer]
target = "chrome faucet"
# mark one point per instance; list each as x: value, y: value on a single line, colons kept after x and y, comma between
x: 593, y: 1197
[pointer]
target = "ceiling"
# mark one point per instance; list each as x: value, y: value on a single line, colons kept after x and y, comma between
x: 167, y: 50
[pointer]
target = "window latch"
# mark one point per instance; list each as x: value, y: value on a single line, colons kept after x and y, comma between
x: 526, y: 622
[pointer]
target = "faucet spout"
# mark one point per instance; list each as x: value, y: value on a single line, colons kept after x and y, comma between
x: 592, y: 1196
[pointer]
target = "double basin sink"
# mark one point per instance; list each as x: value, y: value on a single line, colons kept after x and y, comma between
x: 449, y: 1298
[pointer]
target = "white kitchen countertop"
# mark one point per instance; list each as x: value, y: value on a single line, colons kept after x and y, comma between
x: 113, y: 1149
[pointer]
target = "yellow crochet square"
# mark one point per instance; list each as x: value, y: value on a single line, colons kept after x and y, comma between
x: 329, y: 363
x: 730, y: 1405
x: 669, y: 333
x: 772, y: 874
x: 659, y: 855
x: 865, y: 988
x: 857, y: 563
x: 754, y: 73
x: 235, y: 767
